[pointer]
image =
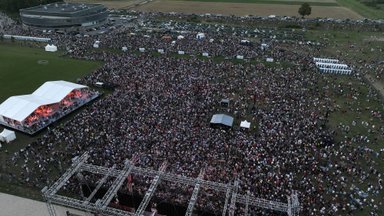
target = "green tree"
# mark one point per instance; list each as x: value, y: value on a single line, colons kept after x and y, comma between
x: 305, y: 10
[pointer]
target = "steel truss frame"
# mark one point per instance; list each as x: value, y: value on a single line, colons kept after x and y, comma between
x: 292, y: 207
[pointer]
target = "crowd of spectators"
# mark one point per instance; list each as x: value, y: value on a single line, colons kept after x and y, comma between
x: 160, y: 110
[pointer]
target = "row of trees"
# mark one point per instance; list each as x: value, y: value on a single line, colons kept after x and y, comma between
x: 13, y: 6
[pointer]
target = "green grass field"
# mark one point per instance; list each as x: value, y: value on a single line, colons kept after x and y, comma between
x: 20, y: 72
x: 285, y: 2
x: 354, y: 48
x: 355, y: 5
x: 362, y: 9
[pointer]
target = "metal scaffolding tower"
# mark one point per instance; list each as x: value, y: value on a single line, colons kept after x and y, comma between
x: 101, y: 206
x: 195, y: 192
x: 148, y: 195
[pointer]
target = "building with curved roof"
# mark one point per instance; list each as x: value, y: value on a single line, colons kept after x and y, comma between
x: 64, y: 15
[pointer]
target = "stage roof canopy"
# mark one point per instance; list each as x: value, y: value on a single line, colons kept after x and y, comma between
x: 20, y: 107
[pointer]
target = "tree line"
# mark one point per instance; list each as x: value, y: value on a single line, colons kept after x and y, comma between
x: 13, y: 6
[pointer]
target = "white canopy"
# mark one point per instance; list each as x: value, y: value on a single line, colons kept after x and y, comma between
x: 142, y: 49
x: 50, y: 48
x: 205, y: 54
x: 124, y: 48
x: 269, y: 59
x: 245, y: 124
x: 56, y: 90
x: 100, y: 84
x: 20, y: 107
x: 96, y: 44
x: 7, y: 136
x: 181, y: 52
x: 239, y: 57
x: 200, y: 36
x: 180, y: 37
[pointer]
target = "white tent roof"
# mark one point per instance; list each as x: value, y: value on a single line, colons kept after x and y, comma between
x: 222, y: 119
x: 51, y: 48
x: 20, y: 107
x: 56, y: 90
x: 7, y: 135
x: 245, y: 124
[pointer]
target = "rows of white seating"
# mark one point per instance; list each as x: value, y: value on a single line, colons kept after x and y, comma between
x: 26, y: 38
x: 336, y: 71
x: 326, y: 65
x: 331, y: 65
x: 325, y: 60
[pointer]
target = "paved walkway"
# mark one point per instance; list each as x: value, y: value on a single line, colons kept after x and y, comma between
x: 11, y: 205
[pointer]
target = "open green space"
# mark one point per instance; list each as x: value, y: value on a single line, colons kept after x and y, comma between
x: 363, y: 9
x: 356, y: 107
x: 285, y: 2
x: 23, y: 69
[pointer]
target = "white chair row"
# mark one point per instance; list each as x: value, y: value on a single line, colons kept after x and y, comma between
x: 331, y: 65
x: 335, y: 71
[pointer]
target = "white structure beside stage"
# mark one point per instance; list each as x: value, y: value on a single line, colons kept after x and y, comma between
x: 51, y: 48
x: 333, y: 66
x: 7, y: 136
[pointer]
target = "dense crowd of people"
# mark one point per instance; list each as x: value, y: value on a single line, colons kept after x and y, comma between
x: 160, y: 109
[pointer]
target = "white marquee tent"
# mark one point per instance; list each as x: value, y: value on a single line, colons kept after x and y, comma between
x: 200, y: 36
x: 7, y: 136
x: 245, y: 124
x: 96, y: 44
x: 50, y: 48
x: 20, y: 107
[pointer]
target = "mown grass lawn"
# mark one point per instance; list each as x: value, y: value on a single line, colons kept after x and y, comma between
x: 284, y: 2
x: 21, y: 73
